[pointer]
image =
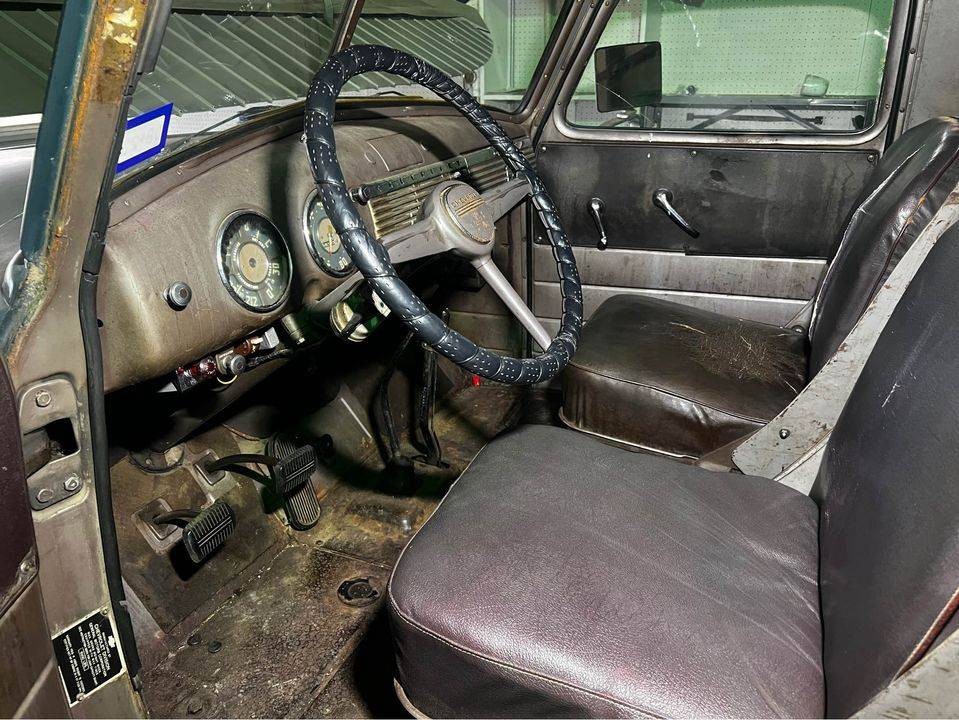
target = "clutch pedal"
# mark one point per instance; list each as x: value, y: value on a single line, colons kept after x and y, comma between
x: 204, y: 531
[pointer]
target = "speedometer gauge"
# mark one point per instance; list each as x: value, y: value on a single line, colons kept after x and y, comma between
x: 323, y: 241
x: 254, y: 261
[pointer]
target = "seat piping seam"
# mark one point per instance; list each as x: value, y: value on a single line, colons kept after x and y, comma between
x: 507, y: 666
x: 678, y: 457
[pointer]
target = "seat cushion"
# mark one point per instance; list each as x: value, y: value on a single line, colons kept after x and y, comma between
x: 564, y: 577
x: 676, y: 379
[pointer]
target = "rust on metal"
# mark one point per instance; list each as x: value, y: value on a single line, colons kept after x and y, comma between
x: 106, y: 68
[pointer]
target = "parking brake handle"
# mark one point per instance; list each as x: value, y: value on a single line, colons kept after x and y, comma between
x: 663, y: 199
x: 597, y: 208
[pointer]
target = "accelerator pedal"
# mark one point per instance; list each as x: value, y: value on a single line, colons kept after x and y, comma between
x: 204, y: 531
x: 293, y: 471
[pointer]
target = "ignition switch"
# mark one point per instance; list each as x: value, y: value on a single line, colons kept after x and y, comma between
x: 230, y: 363
x: 233, y: 361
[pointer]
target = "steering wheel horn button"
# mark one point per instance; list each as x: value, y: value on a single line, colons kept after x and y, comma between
x: 468, y: 211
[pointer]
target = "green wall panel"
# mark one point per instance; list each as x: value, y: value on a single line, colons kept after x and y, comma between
x: 759, y: 47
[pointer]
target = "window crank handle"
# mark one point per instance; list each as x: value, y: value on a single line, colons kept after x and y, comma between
x: 597, y: 208
x: 663, y: 199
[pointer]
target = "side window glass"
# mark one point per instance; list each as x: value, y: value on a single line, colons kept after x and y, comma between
x: 28, y: 34
x: 734, y: 66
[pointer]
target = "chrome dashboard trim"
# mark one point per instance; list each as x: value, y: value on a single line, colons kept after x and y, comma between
x: 370, y: 191
x: 394, y: 202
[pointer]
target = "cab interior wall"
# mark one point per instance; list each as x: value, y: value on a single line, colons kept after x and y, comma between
x: 266, y: 626
x: 163, y: 231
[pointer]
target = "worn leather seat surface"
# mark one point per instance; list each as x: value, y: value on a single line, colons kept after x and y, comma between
x: 678, y: 379
x: 563, y: 577
x: 655, y: 384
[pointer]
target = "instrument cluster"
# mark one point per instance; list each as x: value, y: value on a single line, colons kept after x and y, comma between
x: 254, y: 260
x: 323, y: 241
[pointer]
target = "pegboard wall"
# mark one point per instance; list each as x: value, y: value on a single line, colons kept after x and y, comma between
x: 758, y: 47
x: 520, y: 30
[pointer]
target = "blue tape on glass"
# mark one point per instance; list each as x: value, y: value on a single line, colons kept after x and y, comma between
x: 145, y: 136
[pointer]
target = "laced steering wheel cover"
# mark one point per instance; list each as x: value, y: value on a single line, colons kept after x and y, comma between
x: 372, y: 259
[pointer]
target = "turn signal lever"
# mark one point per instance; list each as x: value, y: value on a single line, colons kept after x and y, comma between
x: 597, y: 208
x: 663, y: 199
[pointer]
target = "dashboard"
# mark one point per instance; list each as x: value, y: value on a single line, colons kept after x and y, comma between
x: 234, y: 241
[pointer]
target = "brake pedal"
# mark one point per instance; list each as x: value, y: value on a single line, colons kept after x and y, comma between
x: 204, y: 531
x: 294, y: 469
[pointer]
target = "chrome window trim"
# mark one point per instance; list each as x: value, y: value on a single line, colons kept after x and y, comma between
x: 876, y: 132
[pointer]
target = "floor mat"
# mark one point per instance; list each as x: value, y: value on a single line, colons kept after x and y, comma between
x: 273, y: 647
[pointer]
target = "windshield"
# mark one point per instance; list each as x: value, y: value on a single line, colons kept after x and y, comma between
x: 222, y: 63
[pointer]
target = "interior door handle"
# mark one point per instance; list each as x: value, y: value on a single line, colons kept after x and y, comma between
x: 663, y: 199
x: 597, y: 208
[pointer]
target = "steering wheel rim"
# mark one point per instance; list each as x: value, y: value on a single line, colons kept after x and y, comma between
x: 372, y: 258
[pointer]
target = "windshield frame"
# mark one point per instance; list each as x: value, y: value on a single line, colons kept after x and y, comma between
x: 344, y: 29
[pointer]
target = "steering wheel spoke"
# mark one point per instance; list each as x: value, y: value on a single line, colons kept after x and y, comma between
x: 416, y: 241
x: 503, y: 198
x: 504, y: 289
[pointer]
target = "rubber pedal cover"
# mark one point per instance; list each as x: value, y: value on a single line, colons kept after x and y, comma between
x: 302, y: 508
x: 293, y: 469
x: 209, y: 530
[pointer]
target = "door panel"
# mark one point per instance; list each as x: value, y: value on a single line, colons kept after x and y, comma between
x: 771, y: 290
x: 26, y: 653
x: 757, y: 202
x: 768, y: 220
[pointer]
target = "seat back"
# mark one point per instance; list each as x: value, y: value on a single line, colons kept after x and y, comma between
x: 903, y: 194
x: 888, y: 491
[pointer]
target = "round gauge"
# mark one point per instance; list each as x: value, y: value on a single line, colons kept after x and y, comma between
x: 254, y: 261
x: 323, y: 240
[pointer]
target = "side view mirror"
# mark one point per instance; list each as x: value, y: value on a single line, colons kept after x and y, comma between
x: 628, y: 76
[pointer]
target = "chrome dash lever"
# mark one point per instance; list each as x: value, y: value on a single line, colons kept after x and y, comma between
x: 597, y: 208
x: 663, y: 199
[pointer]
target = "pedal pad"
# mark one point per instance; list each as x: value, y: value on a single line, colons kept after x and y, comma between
x: 302, y: 508
x: 294, y: 471
x: 209, y: 530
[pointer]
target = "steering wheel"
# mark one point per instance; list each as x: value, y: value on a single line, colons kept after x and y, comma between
x: 455, y: 218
